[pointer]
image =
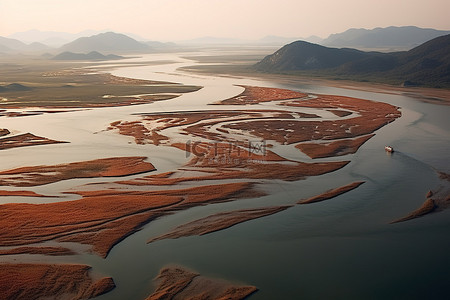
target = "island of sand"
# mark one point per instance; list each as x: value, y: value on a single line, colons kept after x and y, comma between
x: 179, y: 283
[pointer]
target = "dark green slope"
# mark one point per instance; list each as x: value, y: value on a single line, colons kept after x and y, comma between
x: 427, y: 64
x: 302, y: 55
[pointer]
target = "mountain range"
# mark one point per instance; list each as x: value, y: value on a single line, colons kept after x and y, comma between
x: 105, y: 42
x: 14, y: 87
x: 51, y: 38
x: 270, y: 40
x: 108, y: 42
x: 427, y: 64
x: 34, y: 41
x: 85, y: 48
x: 93, y: 55
x: 382, y: 39
x: 8, y: 45
x: 393, y: 38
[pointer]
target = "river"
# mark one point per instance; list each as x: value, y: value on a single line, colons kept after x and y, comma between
x: 340, y: 249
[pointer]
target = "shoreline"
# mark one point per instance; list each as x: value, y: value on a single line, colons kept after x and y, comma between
x: 439, y: 96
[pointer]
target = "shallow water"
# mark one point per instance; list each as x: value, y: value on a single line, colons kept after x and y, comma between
x: 344, y: 248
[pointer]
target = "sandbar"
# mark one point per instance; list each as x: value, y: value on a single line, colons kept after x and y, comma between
x: 107, y: 167
x: 335, y: 148
x: 370, y: 117
x: 332, y: 193
x: 104, y: 218
x: 24, y: 140
x: 179, y: 283
x: 218, y: 222
x: 427, y: 207
x: 4, y: 132
x: 53, y: 251
x: 255, y: 95
x: 4, y: 193
x: 37, y: 281
x: 436, y: 200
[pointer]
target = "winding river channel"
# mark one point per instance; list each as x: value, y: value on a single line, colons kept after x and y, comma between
x: 340, y: 249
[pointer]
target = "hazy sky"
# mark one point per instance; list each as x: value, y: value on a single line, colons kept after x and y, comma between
x: 248, y: 19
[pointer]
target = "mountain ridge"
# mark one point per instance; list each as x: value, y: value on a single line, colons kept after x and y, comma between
x: 427, y: 64
x: 9, y: 45
x: 392, y: 37
x: 93, y: 55
x: 105, y: 42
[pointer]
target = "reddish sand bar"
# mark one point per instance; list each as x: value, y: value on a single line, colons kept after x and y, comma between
x: 26, y: 139
x: 39, y: 281
x: 369, y: 117
x: 332, y: 193
x: 427, y: 207
x: 437, y: 200
x: 20, y: 194
x: 108, y: 167
x: 218, y: 222
x: 53, y: 251
x: 335, y: 148
x: 255, y: 95
x: 4, y: 132
x: 196, y: 123
x: 104, y: 218
x: 179, y: 283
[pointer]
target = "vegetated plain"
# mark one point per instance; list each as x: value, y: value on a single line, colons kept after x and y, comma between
x: 47, y: 83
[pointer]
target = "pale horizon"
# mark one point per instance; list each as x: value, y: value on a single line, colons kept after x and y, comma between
x: 176, y: 20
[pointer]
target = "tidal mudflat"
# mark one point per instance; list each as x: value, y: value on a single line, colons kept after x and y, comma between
x: 212, y: 173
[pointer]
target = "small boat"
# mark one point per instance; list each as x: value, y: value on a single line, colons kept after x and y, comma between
x: 389, y: 149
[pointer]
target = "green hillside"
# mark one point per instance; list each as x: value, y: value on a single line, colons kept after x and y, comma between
x: 425, y: 65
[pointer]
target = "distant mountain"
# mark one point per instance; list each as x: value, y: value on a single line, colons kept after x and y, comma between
x: 270, y: 40
x: 397, y: 38
x: 14, y: 46
x: 105, y: 42
x: 301, y: 55
x: 56, y: 41
x: 4, y: 49
x: 37, y: 47
x: 93, y: 55
x: 427, y: 64
x: 51, y: 38
x: 14, y: 87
